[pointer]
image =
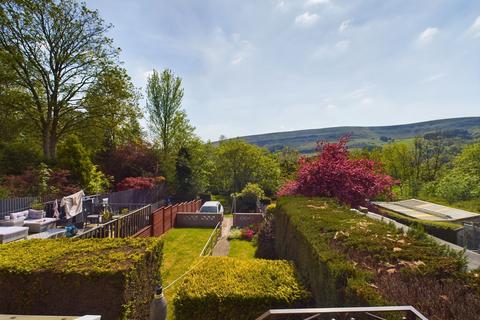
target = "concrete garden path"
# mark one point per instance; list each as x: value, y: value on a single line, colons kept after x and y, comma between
x: 222, y: 247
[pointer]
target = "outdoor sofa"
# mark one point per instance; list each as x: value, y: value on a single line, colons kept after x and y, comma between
x: 33, y: 219
x: 9, y: 234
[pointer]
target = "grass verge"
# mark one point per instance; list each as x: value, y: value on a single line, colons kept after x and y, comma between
x: 242, y: 249
x: 181, y: 247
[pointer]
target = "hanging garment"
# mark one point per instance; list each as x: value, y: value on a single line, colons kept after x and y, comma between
x: 72, y: 204
x: 56, y: 213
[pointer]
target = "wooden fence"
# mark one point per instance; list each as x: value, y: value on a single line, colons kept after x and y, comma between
x: 163, y: 219
x: 142, y: 222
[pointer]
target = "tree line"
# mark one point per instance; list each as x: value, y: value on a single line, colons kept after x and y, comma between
x: 70, y: 116
x: 434, y: 167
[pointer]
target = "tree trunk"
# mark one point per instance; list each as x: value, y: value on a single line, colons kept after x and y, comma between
x: 53, y: 147
x: 46, y: 144
x: 49, y: 143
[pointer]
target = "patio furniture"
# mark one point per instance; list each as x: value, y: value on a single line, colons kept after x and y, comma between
x: 33, y: 219
x: 9, y: 234
x: 39, y: 225
x: 49, y: 234
x: 11, y: 222
x: 16, y: 219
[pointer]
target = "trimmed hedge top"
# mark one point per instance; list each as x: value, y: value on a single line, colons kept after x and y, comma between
x: 229, y: 288
x: 350, y: 259
x: 84, y: 256
x: 383, y: 243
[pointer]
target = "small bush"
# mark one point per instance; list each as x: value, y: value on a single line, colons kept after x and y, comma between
x: 249, y: 198
x: 111, y: 277
x: 233, y: 289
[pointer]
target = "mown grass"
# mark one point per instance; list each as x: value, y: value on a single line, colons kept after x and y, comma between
x: 181, y: 247
x: 242, y: 249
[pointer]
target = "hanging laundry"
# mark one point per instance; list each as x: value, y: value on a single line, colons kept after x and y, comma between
x: 56, y: 213
x: 73, y: 204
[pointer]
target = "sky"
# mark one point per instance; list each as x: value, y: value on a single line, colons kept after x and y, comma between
x: 259, y: 66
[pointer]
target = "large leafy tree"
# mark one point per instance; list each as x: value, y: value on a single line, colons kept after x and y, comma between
x: 112, y: 104
x: 238, y: 163
x: 168, y: 121
x: 57, y: 49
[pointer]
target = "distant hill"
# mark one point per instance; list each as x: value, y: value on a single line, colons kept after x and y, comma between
x: 305, y: 140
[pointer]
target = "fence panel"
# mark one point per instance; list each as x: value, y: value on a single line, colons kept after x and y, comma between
x: 143, y: 222
x: 149, y: 196
x: 8, y: 206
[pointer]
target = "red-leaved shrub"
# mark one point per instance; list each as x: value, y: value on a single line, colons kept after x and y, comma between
x: 136, y: 183
x: 27, y: 184
x: 333, y: 174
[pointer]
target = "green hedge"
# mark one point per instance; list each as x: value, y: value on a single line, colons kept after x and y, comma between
x: 443, y: 230
x: 233, y: 289
x: 114, y: 278
x: 348, y: 259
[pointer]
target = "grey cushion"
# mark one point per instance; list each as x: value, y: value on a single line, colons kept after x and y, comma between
x: 35, y: 214
x: 19, y: 215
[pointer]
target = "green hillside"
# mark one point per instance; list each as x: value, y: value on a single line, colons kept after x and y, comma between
x: 464, y: 129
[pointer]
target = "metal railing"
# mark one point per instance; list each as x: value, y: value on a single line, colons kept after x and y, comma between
x: 346, y: 313
x: 125, y: 226
x: 212, y: 240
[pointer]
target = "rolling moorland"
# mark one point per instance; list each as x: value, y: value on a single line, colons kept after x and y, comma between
x: 305, y: 141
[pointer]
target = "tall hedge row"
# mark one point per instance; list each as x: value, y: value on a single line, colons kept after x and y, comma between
x: 348, y: 259
x: 234, y: 289
x: 114, y: 278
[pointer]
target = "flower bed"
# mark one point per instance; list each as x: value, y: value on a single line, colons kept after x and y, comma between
x: 233, y: 289
x: 110, y: 277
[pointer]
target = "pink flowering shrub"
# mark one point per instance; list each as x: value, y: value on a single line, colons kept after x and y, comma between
x: 333, y: 174
x: 247, y: 234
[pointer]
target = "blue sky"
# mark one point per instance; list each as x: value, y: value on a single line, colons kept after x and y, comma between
x: 257, y: 66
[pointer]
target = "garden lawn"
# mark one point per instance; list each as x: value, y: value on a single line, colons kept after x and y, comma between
x: 181, y: 247
x: 242, y: 249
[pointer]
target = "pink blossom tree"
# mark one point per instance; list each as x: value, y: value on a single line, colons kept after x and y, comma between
x: 333, y: 174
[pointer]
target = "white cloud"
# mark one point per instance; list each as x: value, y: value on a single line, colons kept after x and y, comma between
x: 237, y: 59
x: 281, y: 5
x: 306, y: 19
x: 344, y: 26
x: 317, y: 2
x: 474, y: 29
x: 332, y: 50
x: 342, y: 45
x: 433, y: 78
x: 331, y: 106
x: 427, y: 35
x: 366, y: 101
